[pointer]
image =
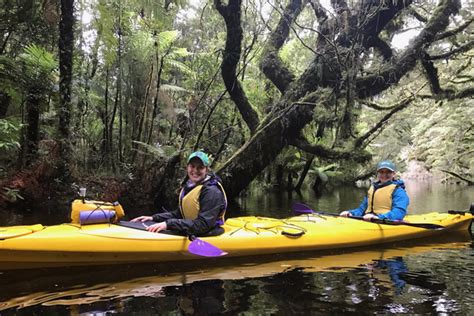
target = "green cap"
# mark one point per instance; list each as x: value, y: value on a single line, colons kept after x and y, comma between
x: 201, y: 155
x: 386, y: 164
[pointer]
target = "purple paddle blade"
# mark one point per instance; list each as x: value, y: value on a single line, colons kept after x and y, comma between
x: 300, y: 208
x: 201, y: 248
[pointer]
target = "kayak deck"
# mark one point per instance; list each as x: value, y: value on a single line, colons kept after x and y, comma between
x: 73, y: 244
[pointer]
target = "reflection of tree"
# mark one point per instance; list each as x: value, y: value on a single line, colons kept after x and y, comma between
x: 445, y: 280
x: 199, y: 298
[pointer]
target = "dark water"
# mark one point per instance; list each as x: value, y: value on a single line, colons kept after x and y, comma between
x: 416, y: 277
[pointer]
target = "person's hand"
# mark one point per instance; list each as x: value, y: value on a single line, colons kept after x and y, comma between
x: 345, y: 214
x: 156, y: 228
x: 142, y: 219
x: 370, y: 216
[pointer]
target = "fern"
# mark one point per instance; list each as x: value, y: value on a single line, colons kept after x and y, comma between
x: 167, y: 38
x: 39, y: 59
x: 157, y: 151
x: 180, y: 66
x: 172, y: 88
x: 8, y: 135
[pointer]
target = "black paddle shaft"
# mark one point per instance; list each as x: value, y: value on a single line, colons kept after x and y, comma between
x: 304, y: 209
x: 389, y: 222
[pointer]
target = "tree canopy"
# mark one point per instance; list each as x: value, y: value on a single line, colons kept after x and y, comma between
x: 273, y: 90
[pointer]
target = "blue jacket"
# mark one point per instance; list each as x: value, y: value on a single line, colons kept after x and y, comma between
x: 400, y: 202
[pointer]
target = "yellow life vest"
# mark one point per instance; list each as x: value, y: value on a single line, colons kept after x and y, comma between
x: 189, y: 204
x: 380, y: 200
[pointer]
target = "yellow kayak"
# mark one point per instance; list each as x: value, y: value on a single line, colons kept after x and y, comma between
x: 106, y: 243
x: 119, y: 283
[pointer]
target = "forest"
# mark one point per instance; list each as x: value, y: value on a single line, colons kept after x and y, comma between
x: 114, y: 95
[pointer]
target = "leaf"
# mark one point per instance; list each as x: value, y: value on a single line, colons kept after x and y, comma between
x: 180, y: 52
x: 166, y: 38
x: 158, y: 151
x: 36, y: 56
x: 179, y: 65
x: 172, y: 88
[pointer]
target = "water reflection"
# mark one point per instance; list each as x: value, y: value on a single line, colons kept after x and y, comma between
x: 360, y: 280
x: 395, y: 269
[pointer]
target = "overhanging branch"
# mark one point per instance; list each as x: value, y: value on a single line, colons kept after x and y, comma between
x: 392, y: 72
x: 319, y: 11
x: 468, y: 181
x: 233, y: 46
x: 271, y: 64
x: 329, y: 153
x: 384, y: 49
x: 359, y: 142
x: 455, y: 31
x: 431, y: 73
x: 379, y: 107
x: 465, y: 93
x: 418, y: 16
x: 460, y: 49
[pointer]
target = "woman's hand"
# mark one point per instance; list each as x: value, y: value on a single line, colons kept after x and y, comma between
x: 345, y: 214
x: 142, y: 219
x: 370, y: 216
x: 156, y: 228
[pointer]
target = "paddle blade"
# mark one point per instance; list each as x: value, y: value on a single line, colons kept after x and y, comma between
x: 300, y: 208
x: 201, y: 248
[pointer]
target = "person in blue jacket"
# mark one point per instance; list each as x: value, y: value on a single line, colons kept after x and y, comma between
x: 386, y: 198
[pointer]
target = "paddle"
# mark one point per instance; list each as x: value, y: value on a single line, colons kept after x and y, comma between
x: 202, y: 248
x: 301, y: 208
x: 197, y: 246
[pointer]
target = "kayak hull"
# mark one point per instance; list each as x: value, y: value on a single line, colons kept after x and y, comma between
x: 98, y: 244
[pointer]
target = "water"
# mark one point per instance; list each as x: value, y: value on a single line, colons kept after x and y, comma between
x: 425, y: 197
x: 416, y: 277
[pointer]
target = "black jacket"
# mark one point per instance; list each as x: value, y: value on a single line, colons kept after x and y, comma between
x: 211, y: 204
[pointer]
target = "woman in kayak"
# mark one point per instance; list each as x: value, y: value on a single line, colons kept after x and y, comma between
x: 386, y: 198
x: 202, y: 203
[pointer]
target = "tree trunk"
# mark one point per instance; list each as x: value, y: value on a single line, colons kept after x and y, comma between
x: 142, y: 114
x: 66, y: 46
x: 159, y: 67
x: 29, y: 146
x: 105, y: 120
x: 306, y: 168
x: 279, y: 174
x: 4, y: 104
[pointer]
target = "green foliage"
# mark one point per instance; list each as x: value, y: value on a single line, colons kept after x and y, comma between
x: 443, y: 139
x: 140, y: 46
x: 32, y: 72
x: 167, y: 38
x: 147, y: 35
x: 157, y: 151
x: 9, y: 135
x: 38, y: 60
x: 38, y: 69
x: 293, y: 51
x: 172, y: 88
x: 107, y: 28
x: 11, y: 195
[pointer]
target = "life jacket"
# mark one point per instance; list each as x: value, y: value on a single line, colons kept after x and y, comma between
x: 379, y: 198
x: 189, y: 203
